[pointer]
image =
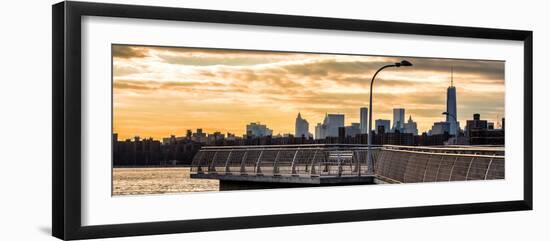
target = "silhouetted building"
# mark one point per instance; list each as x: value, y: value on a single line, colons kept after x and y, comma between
x: 394, y: 138
x: 353, y: 130
x: 137, y: 152
x: 476, y: 123
x: 432, y: 140
x: 216, y: 138
x: 452, y: 115
x: 301, y: 127
x: 199, y: 136
x: 329, y: 127
x: 478, y: 132
x: 320, y: 131
x: 341, y: 134
x: 385, y: 124
x: 440, y: 128
x: 398, y: 119
x: 258, y: 130
x: 410, y: 127
x: 363, y: 120
x: 380, y: 130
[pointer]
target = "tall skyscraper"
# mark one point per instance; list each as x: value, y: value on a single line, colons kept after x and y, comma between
x: 301, y: 127
x: 452, y: 117
x: 398, y: 119
x: 363, y: 120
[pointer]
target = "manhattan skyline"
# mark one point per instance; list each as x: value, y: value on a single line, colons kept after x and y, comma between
x: 159, y: 91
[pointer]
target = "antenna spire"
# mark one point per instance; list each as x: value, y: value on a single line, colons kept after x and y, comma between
x: 451, y: 75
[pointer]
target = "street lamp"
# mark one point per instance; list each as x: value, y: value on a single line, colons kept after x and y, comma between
x: 370, y: 164
x: 454, y: 117
x: 449, y: 114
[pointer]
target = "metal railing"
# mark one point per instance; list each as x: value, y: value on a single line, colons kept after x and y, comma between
x: 392, y: 163
x: 476, y: 150
x: 282, y: 160
x: 417, y: 164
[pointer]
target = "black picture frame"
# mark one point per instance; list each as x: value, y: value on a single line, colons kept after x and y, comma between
x: 66, y: 127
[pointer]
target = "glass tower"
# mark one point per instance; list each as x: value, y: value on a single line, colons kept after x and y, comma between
x: 451, y: 117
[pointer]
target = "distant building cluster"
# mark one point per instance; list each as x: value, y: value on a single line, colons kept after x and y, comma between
x: 258, y: 130
x: 149, y: 152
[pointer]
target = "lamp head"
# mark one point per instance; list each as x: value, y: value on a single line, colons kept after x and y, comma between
x: 404, y: 63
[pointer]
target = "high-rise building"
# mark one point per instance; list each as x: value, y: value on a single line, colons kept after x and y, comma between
x: 320, y: 131
x: 258, y: 130
x: 411, y: 127
x: 333, y: 122
x: 452, y: 117
x: 329, y: 127
x: 301, y: 127
x: 385, y: 124
x: 363, y: 119
x: 398, y: 119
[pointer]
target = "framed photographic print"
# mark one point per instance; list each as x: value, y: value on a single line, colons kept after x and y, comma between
x: 169, y: 120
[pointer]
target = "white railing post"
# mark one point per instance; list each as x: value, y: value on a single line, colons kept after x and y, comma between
x: 226, y: 166
x: 243, y: 163
x: 293, y: 165
x: 469, y: 166
x: 426, y: 168
x: 199, y: 164
x: 276, y: 164
x: 439, y: 167
x: 488, y: 167
x: 452, y: 169
x: 311, y: 171
x: 257, y: 169
x: 212, y: 165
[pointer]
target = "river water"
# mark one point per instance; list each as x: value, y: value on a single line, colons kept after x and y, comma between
x: 153, y: 180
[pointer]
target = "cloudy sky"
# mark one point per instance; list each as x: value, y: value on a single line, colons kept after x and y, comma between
x: 159, y: 91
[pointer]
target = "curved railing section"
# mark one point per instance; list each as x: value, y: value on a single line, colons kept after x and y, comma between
x: 282, y: 160
x: 410, y: 164
x: 392, y: 164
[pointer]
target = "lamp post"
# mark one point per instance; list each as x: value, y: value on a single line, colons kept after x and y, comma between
x: 449, y: 114
x: 454, y: 117
x: 370, y: 163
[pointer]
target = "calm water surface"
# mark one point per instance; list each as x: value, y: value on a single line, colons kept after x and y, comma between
x: 152, y: 180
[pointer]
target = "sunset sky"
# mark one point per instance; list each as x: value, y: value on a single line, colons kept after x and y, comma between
x: 159, y: 91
